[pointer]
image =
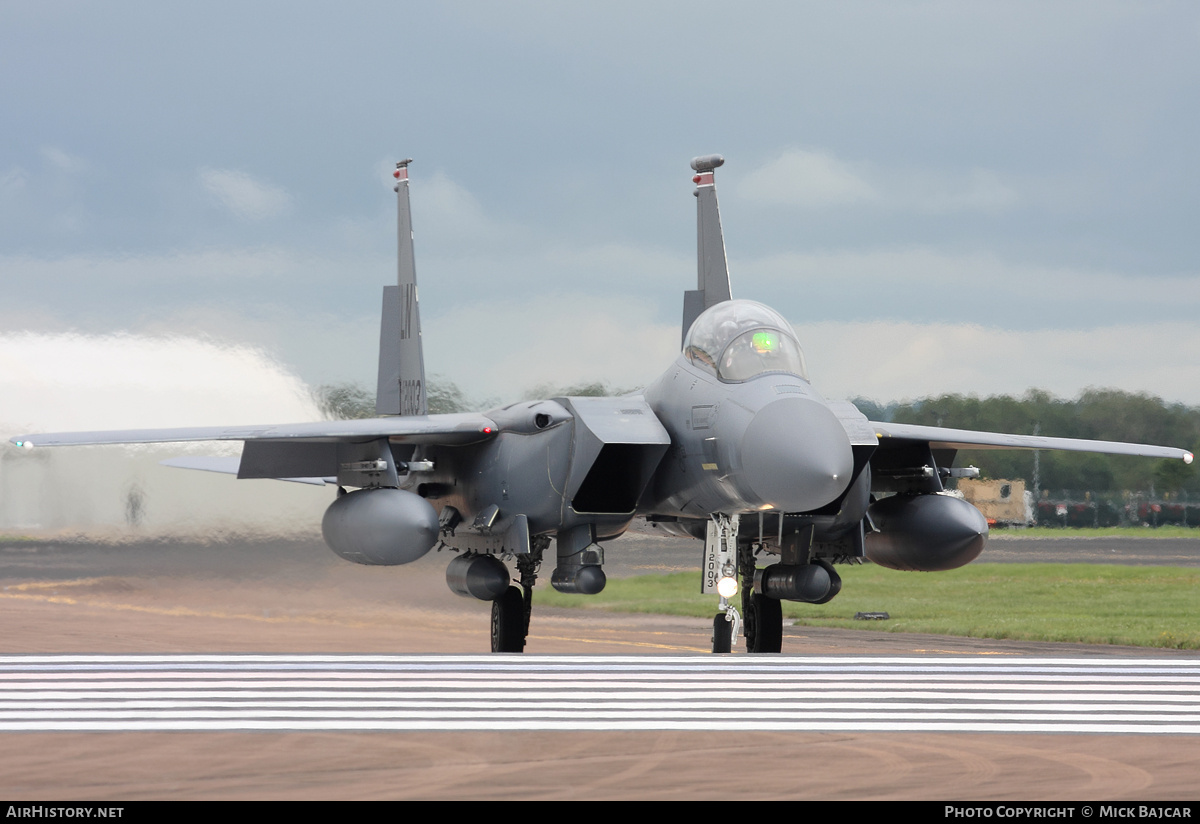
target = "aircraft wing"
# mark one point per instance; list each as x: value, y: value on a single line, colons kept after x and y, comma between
x: 942, y: 438
x: 351, y: 452
x: 450, y: 430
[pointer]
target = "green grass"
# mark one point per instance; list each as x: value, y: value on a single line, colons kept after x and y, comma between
x: 1100, y: 532
x: 1085, y: 603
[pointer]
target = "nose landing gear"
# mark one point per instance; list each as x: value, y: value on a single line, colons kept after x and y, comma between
x: 720, y: 576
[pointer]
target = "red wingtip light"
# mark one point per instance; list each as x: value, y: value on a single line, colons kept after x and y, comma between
x: 1187, y: 457
x: 396, y: 174
x: 695, y: 178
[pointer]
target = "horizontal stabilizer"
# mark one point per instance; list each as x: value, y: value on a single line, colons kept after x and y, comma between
x: 229, y: 466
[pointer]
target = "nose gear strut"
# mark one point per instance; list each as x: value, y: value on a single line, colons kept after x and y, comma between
x: 720, y: 577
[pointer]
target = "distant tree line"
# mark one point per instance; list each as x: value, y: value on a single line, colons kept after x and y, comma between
x: 347, y: 400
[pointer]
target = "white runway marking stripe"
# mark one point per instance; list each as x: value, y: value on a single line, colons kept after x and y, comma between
x: 381, y: 692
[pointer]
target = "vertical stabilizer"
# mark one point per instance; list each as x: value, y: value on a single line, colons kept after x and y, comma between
x: 401, y: 389
x: 712, y: 284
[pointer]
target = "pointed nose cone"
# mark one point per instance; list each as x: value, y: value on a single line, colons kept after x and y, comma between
x: 796, y: 455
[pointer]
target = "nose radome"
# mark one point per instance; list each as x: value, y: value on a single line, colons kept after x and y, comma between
x: 796, y: 455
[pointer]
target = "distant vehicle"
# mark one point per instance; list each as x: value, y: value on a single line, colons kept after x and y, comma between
x: 732, y: 444
x: 1002, y: 503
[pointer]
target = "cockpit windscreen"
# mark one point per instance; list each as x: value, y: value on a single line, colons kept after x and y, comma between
x: 739, y: 339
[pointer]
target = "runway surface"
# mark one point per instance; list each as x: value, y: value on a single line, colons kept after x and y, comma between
x: 241, y: 599
x: 140, y: 693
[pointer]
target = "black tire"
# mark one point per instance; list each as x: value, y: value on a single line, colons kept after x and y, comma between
x: 508, y: 621
x: 722, y: 634
x: 766, y: 616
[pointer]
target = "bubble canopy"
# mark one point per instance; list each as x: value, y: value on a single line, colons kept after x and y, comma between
x: 740, y: 339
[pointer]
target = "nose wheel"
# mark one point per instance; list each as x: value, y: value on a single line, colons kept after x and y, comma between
x: 722, y: 638
x: 727, y: 624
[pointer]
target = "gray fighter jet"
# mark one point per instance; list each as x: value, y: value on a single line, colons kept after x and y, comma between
x: 732, y: 445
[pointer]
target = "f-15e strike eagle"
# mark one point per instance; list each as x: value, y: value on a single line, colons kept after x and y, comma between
x: 732, y: 445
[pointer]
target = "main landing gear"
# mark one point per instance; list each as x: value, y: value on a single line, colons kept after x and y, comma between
x: 511, y: 611
x: 510, y: 620
x: 764, y: 615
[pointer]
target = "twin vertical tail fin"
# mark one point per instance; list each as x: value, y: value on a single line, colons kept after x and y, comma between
x: 401, y: 388
x: 712, y: 286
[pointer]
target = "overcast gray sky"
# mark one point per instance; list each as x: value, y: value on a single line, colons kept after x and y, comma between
x: 970, y: 197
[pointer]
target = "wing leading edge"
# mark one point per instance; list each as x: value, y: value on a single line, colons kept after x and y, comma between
x: 938, y: 437
x: 449, y: 430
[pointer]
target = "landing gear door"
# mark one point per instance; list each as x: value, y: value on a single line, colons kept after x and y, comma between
x: 720, y: 552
